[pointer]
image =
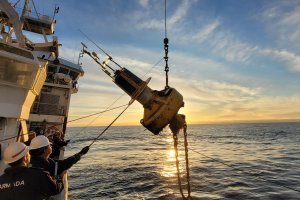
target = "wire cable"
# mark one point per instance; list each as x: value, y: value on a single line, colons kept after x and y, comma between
x: 110, y: 58
x: 16, y: 3
x: 103, y: 111
x: 108, y: 126
x: 165, y: 18
x: 15, y: 136
x: 37, y: 14
x: 92, y: 121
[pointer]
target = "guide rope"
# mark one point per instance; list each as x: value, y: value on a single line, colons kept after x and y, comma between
x: 94, y: 140
x: 15, y: 137
x: 103, y: 111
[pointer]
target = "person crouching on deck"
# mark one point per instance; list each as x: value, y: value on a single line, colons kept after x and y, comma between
x: 22, y: 182
x: 40, y: 150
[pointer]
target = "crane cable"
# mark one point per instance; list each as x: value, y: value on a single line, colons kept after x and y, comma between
x: 166, y: 48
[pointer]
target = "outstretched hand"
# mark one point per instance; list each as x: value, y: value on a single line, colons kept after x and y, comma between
x: 84, y: 150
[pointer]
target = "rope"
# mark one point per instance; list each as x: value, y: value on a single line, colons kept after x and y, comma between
x: 106, y: 110
x: 108, y: 126
x: 37, y: 14
x: 176, y: 124
x: 85, y: 127
x: 16, y: 136
x: 187, y: 161
x: 175, y: 138
x: 16, y: 3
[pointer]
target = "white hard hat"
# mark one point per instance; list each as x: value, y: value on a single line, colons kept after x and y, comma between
x: 15, y: 151
x: 39, y: 142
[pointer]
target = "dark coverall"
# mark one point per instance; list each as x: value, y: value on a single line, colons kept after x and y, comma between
x: 49, y: 165
x: 20, y: 182
x: 57, y: 143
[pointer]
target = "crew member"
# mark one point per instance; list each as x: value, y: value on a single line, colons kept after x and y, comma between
x: 22, y: 182
x: 40, y: 150
x: 57, y: 144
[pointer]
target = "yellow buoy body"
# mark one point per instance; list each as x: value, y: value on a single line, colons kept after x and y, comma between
x: 164, y: 107
x: 159, y: 106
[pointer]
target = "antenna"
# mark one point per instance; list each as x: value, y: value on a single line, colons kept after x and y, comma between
x: 81, y: 53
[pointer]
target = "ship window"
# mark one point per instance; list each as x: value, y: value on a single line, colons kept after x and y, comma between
x: 52, y: 68
x: 63, y: 70
x: 73, y: 75
x: 51, y: 71
x: 16, y: 51
x: 15, y: 72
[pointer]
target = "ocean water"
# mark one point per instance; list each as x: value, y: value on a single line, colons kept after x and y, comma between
x: 236, y: 161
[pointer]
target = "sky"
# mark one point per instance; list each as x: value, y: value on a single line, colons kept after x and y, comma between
x: 233, y: 61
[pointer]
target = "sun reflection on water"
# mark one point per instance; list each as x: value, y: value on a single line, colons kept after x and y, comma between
x: 168, y: 168
x: 171, y: 155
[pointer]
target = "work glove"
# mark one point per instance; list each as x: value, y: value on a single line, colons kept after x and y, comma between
x: 84, y: 150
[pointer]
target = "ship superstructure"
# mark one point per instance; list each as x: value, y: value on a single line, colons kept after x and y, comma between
x: 49, y: 112
x: 35, y: 83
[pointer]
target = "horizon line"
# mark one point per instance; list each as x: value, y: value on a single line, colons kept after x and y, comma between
x: 213, y: 123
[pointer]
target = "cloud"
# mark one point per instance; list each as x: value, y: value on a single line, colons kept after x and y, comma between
x: 207, y: 30
x: 221, y: 42
x: 282, y: 20
x: 144, y: 3
x: 232, y: 49
x: 221, y: 92
x: 150, y: 23
x: 237, y: 51
x: 180, y: 13
x: 200, y: 36
x: 292, y: 60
